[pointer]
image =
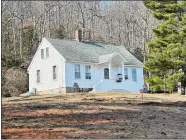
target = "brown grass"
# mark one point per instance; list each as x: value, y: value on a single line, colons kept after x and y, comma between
x: 88, y: 115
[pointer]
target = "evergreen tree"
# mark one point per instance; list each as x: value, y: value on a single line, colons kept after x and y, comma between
x: 28, y: 40
x: 165, y: 60
x: 183, y: 54
x: 172, y: 81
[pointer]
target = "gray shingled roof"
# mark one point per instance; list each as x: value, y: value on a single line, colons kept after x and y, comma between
x: 75, y: 51
x: 105, y: 58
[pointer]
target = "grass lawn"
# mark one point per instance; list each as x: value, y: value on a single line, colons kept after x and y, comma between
x: 90, y: 115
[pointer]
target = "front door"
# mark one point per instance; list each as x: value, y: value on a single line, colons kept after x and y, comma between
x: 106, y: 73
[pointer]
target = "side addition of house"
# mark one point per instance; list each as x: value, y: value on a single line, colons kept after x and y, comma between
x: 62, y: 66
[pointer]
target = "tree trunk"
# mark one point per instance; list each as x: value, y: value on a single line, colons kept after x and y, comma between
x: 14, y: 38
x: 183, y: 91
x: 21, y: 40
x: 164, y: 84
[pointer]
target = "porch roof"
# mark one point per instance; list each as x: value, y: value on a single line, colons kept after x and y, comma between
x: 107, y: 57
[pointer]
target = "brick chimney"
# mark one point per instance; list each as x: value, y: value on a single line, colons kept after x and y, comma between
x: 78, y: 35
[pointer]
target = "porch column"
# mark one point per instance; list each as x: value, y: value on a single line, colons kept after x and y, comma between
x: 122, y: 71
x: 110, y: 65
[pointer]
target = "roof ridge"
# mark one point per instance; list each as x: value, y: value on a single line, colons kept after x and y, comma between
x: 59, y: 39
x: 86, y: 41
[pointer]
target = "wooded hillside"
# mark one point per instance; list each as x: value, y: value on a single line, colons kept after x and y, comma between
x: 24, y: 24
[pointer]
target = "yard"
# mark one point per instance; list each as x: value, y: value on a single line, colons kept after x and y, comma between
x: 89, y: 115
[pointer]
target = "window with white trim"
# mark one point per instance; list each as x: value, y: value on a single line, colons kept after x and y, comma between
x: 38, y: 76
x: 47, y: 52
x: 77, y: 71
x: 42, y: 53
x: 126, y: 73
x: 54, y: 72
x: 134, y: 74
x: 87, y: 72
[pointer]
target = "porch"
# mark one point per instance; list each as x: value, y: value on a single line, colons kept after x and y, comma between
x: 114, y: 77
x: 113, y: 66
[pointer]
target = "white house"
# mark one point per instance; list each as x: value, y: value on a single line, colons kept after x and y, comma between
x: 58, y: 65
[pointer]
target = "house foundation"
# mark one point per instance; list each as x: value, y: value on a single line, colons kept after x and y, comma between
x: 63, y: 90
x: 72, y: 89
x: 53, y: 91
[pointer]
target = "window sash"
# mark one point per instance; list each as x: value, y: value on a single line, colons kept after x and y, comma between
x: 87, y: 75
x: 134, y: 75
x: 126, y: 73
x: 87, y: 69
x: 87, y: 72
x: 42, y: 53
x: 77, y: 75
x: 54, y: 73
x: 77, y: 72
x: 47, y: 52
x: 77, y: 68
x: 38, y: 76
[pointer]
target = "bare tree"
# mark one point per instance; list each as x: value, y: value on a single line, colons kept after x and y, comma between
x: 126, y: 23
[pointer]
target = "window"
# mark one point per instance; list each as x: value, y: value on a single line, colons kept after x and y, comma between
x: 47, y: 52
x: 134, y: 75
x: 42, y: 53
x: 87, y: 72
x: 77, y: 72
x: 106, y: 73
x: 38, y: 76
x: 126, y: 73
x: 54, y: 73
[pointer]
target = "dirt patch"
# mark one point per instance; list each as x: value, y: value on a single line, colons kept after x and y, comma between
x: 29, y: 134
x: 94, y: 116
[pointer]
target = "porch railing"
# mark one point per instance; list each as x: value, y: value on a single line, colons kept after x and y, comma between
x: 94, y: 87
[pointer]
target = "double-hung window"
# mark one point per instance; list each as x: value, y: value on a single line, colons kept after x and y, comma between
x: 54, y: 72
x: 77, y: 71
x: 126, y: 73
x: 134, y: 74
x: 38, y: 76
x: 87, y: 72
x: 42, y: 53
x: 47, y: 52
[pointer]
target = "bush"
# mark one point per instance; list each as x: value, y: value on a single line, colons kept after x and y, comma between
x: 155, y: 82
x: 15, y: 82
x: 156, y: 91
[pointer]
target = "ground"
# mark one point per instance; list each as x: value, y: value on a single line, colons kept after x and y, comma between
x: 95, y: 115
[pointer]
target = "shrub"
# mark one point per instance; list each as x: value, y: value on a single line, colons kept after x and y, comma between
x: 15, y: 82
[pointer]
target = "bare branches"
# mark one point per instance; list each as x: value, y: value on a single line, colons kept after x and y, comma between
x: 125, y: 23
